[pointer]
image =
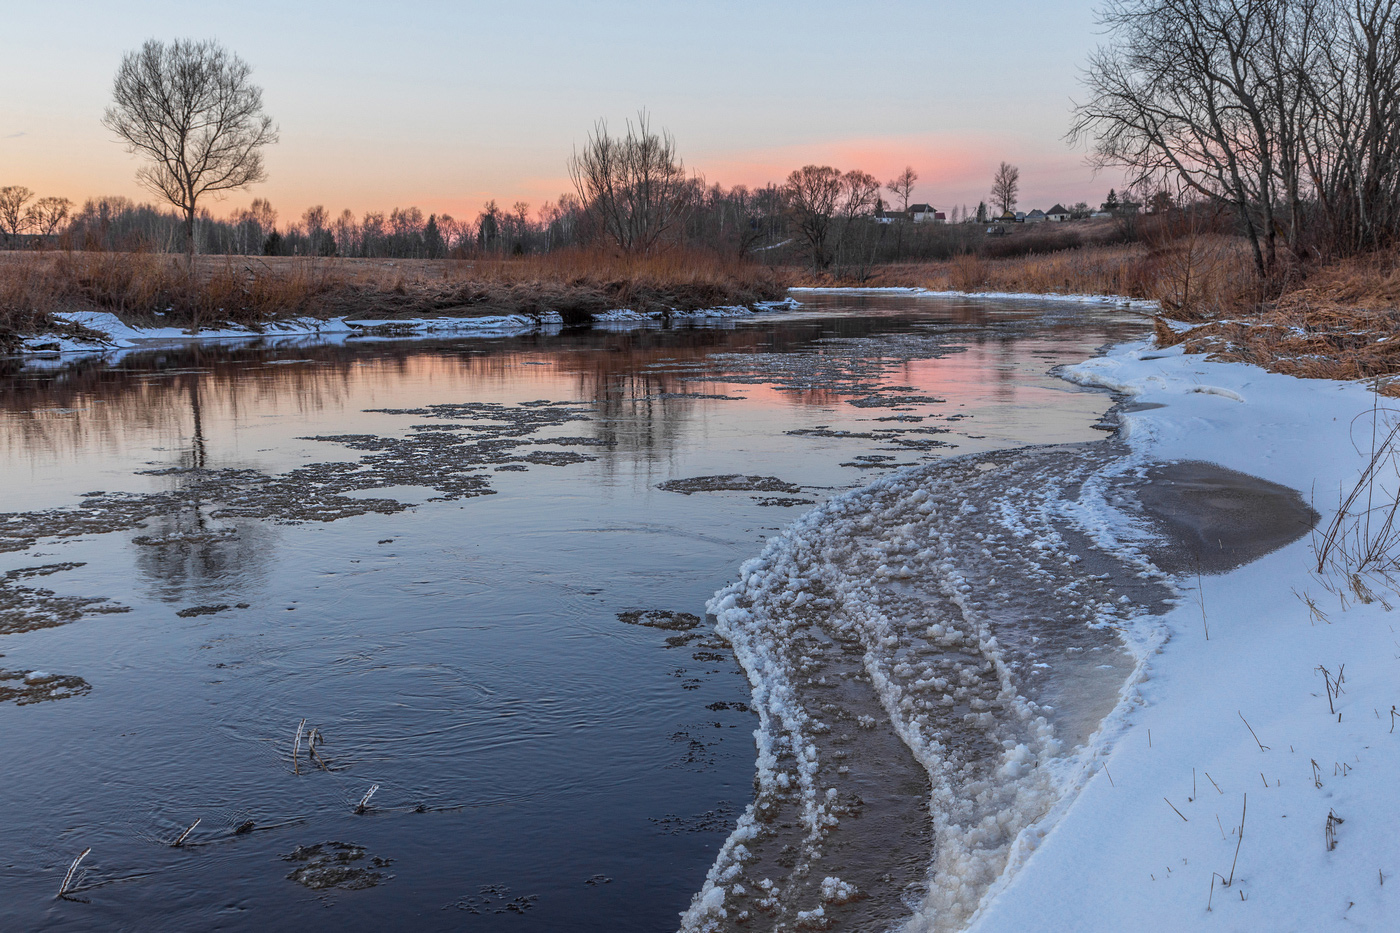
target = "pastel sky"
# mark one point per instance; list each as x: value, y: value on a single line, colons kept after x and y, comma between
x: 446, y: 104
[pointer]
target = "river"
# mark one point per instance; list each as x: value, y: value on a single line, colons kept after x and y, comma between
x: 468, y: 574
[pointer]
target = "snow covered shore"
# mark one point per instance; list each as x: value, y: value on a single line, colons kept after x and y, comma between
x: 116, y: 334
x: 1120, y: 856
x: 974, y: 609
x: 1135, y: 304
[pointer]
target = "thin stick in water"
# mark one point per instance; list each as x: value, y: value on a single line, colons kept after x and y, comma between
x: 72, y: 869
x: 364, y: 801
x: 185, y: 835
x: 296, y: 748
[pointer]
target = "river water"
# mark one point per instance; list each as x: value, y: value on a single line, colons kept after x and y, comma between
x: 470, y: 573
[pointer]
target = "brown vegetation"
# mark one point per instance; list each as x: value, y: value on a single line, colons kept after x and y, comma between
x: 1341, y: 322
x: 1338, y: 320
x: 155, y: 288
x: 1191, y: 277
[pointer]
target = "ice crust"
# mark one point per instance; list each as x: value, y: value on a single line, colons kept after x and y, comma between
x: 932, y: 605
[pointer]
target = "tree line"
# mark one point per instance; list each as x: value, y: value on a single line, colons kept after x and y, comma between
x: 191, y: 112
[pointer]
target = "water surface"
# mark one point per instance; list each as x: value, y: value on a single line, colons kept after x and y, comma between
x: 477, y: 567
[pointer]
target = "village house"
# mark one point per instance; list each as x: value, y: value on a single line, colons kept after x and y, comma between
x: 1057, y: 214
x: 1035, y: 217
x: 925, y: 214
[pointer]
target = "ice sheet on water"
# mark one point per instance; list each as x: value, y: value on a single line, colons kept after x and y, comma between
x: 926, y: 655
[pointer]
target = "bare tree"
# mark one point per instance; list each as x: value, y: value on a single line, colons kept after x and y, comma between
x: 634, y: 185
x: 813, y: 194
x: 902, y: 186
x: 190, y: 110
x: 1287, y: 111
x: 45, y: 215
x: 13, y: 218
x: 347, y: 234
x: 1006, y: 186
x: 315, y: 219
x: 861, y: 192
x: 1180, y: 95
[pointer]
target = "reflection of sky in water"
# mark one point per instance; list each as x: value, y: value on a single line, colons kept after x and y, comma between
x: 463, y: 654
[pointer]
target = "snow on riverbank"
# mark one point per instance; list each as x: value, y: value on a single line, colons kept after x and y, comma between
x: 999, y: 621
x: 118, y: 335
x: 1141, y: 845
x: 1136, y: 304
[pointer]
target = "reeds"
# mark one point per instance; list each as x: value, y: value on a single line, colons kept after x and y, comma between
x: 1192, y: 276
x: 159, y: 289
x: 1330, y: 831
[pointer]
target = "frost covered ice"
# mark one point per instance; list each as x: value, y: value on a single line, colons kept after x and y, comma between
x: 928, y: 657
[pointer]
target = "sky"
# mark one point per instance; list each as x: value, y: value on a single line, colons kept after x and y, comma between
x: 445, y: 105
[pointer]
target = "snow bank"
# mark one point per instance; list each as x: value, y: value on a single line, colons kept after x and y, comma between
x: 117, y: 335
x: 1157, y: 826
x: 1137, y: 304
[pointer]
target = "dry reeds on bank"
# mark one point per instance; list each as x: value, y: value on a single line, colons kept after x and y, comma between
x: 1191, y: 276
x: 1341, y: 321
x: 151, y: 288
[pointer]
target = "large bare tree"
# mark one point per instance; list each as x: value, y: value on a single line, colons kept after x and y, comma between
x: 189, y: 109
x: 1006, y: 186
x: 856, y: 244
x: 1287, y: 111
x: 635, y: 185
x: 46, y: 214
x: 813, y: 194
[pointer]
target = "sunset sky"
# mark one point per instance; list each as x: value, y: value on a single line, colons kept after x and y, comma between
x: 446, y: 104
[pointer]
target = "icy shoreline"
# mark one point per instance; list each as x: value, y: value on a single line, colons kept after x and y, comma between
x: 1133, y: 861
x: 1120, y: 301
x: 118, y: 335
x: 1131, y: 824
x: 952, y: 613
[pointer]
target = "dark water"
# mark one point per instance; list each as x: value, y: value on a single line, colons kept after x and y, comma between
x: 423, y: 549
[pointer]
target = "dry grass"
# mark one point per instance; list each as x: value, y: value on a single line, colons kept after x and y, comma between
x: 1194, y: 276
x: 1334, y: 321
x: 146, y: 288
x: 1340, y: 322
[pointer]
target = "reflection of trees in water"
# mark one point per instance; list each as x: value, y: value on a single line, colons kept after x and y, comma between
x: 90, y: 402
x: 631, y: 377
x: 186, y: 557
x: 184, y: 552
